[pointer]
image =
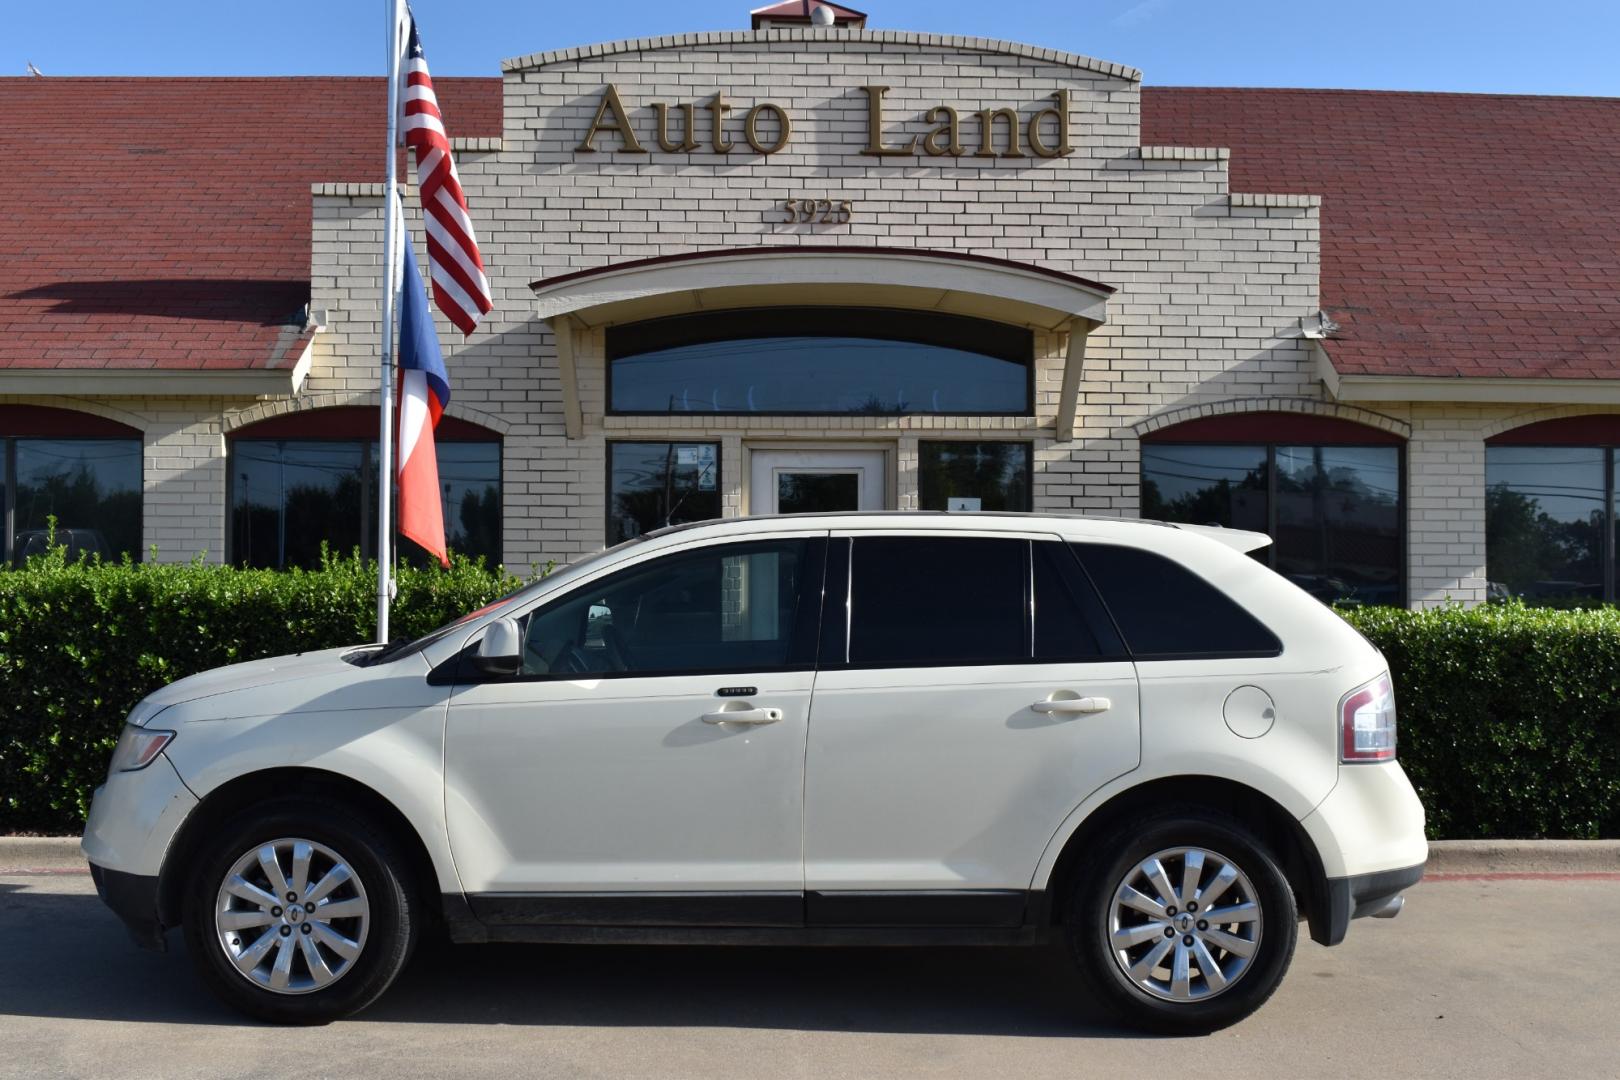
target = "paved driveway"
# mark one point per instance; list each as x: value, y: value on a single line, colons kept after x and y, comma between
x: 1478, y: 978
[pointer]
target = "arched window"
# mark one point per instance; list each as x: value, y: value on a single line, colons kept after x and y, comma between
x: 302, y: 478
x: 1550, y: 511
x: 820, y: 361
x: 81, y: 469
x: 1330, y: 493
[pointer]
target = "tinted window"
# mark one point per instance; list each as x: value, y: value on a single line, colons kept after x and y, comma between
x: 1166, y: 611
x: 92, y: 487
x: 1070, y: 622
x: 735, y: 608
x: 937, y: 600
x: 1545, y: 510
x: 991, y: 475
x: 654, y: 484
x: 819, y: 361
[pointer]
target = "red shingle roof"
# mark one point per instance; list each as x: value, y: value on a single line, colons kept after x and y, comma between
x: 1462, y: 234
x: 165, y: 223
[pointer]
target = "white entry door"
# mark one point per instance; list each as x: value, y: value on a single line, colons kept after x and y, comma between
x: 818, y: 481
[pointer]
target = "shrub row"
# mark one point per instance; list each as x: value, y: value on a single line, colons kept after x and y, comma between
x: 1510, y: 716
x: 81, y: 643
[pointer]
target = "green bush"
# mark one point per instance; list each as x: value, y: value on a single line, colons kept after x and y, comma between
x: 1509, y: 716
x: 81, y: 643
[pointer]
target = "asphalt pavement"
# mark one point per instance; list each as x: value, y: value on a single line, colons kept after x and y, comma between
x: 1479, y: 977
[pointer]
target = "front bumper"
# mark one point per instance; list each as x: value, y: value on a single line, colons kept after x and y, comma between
x: 133, y: 898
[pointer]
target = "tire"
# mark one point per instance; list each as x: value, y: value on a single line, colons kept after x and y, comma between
x: 1099, y: 908
x: 325, y: 977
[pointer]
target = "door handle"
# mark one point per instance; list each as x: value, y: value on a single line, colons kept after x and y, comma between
x: 1073, y: 706
x: 753, y: 717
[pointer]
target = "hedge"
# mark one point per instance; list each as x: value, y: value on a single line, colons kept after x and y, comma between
x: 81, y: 643
x: 1510, y: 716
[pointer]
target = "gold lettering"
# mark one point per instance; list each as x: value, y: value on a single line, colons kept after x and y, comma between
x: 717, y: 113
x: 686, y: 145
x: 1061, y: 113
x: 950, y: 127
x: 987, y: 133
x: 874, y: 127
x: 784, y: 128
x: 620, y: 123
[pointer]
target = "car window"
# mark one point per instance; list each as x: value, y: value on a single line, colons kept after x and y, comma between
x: 1070, y: 621
x: 1166, y: 611
x: 926, y: 601
x: 728, y: 608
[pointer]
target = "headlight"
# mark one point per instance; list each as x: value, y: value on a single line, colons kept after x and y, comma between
x: 137, y: 747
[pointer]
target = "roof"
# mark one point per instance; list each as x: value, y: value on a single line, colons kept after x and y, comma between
x: 1462, y: 234
x: 165, y: 223
x: 799, y: 11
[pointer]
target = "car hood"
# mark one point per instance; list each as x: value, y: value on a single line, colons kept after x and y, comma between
x: 246, y: 676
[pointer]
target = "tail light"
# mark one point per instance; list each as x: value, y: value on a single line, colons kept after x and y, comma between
x: 1367, y: 722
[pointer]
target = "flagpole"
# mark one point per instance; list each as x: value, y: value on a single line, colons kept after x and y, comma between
x: 385, y: 428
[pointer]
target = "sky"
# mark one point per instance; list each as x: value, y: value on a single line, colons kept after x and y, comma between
x: 1489, y: 46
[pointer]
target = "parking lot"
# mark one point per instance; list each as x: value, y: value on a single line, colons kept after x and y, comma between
x: 1477, y: 978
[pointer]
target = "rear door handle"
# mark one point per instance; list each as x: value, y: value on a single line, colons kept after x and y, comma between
x: 754, y: 717
x: 1072, y: 706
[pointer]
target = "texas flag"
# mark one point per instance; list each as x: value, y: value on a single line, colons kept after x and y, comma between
x: 424, y: 391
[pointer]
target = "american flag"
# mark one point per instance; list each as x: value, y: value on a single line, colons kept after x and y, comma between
x: 459, y: 286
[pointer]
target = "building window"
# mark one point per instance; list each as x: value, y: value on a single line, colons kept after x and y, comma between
x: 1550, y: 512
x: 299, y: 480
x: 1331, y: 496
x: 820, y: 362
x: 655, y: 484
x: 82, y: 470
x: 973, y: 475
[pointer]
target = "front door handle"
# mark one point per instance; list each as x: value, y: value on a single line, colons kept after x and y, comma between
x: 1072, y: 706
x: 753, y: 717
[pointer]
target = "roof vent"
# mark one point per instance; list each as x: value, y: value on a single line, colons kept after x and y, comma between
x: 807, y: 13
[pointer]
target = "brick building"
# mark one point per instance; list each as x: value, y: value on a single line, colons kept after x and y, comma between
x: 801, y: 267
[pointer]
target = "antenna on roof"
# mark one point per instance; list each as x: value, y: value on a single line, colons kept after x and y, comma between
x: 34, y: 71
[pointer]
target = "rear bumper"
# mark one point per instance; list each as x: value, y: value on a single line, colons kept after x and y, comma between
x: 133, y: 898
x: 1357, y: 897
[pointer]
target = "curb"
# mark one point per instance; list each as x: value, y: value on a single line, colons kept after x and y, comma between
x: 1447, y: 858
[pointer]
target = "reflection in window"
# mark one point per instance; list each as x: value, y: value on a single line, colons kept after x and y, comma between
x: 655, y: 484
x: 1545, y: 514
x: 1333, y: 512
x: 820, y: 361
x: 988, y: 475
x: 290, y: 495
x: 91, y: 486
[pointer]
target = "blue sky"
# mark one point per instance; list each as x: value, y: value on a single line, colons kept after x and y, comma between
x: 1551, y: 47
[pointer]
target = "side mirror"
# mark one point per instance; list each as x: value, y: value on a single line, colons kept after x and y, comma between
x: 501, y: 650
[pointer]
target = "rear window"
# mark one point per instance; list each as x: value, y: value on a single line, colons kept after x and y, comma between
x: 1166, y: 612
x: 924, y: 601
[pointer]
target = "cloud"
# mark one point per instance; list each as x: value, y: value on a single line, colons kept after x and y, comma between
x: 1139, y: 13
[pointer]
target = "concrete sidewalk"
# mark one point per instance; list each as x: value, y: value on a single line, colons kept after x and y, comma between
x: 1447, y: 858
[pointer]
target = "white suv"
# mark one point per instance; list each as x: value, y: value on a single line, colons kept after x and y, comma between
x: 887, y: 729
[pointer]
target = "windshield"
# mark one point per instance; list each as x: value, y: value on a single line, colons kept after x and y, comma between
x: 396, y: 649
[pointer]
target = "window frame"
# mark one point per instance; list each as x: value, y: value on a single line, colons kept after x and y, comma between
x: 1402, y: 502
x: 813, y: 591
x: 1610, y: 548
x: 9, y: 511
x: 1028, y: 470
x: 607, y: 479
x: 611, y: 354
x: 368, y: 495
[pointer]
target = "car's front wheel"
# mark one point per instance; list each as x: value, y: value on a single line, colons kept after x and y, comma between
x: 1184, y: 926
x: 298, y: 913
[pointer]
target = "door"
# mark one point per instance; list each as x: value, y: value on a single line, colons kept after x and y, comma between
x: 817, y: 481
x: 978, y: 696
x: 652, y: 744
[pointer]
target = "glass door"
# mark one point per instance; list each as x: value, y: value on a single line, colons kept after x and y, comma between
x: 817, y: 481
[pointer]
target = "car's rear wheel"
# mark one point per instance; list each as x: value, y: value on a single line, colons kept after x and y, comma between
x: 1186, y: 925
x: 298, y: 913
